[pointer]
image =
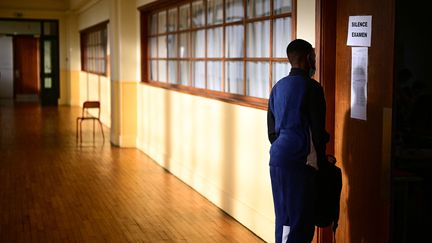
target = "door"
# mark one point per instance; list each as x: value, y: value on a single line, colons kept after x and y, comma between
x: 49, y: 72
x: 6, y: 68
x: 362, y: 146
x: 26, y: 67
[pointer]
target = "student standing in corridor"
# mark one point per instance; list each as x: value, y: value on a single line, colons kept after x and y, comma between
x: 296, y: 129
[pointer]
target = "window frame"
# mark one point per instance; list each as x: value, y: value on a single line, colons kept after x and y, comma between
x: 148, y: 10
x: 103, y: 26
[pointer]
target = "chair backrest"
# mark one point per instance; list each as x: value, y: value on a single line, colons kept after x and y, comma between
x: 91, y: 105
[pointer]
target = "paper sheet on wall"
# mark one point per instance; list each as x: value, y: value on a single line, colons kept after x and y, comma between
x: 359, y: 74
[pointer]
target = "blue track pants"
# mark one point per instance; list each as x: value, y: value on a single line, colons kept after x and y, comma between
x: 293, y: 197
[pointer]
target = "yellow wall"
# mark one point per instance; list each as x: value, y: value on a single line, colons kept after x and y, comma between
x: 219, y: 149
x: 96, y: 87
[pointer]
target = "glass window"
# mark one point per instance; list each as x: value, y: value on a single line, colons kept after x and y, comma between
x: 184, y: 45
x: 257, y: 81
x: 184, y: 18
x: 258, y: 8
x: 258, y: 39
x: 214, y: 75
x: 214, y: 42
x: 198, y: 15
x: 198, y: 71
x: 234, y: 77
x: 234, y: 47
x: 172, y: 72
x: 172, y: 20
x: 280, y: 70
x: 235, y: 37
x: 281, y: 6
x: 184, y: 73
x: 281, y: 36
x: 172, y: 45
x: 94, y: 49
x: 198, y: 43
x: 162, y: 18
x: 234, y: 10
x: 214, y: 12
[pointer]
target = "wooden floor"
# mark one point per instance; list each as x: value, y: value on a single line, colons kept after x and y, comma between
x: 52, y: 190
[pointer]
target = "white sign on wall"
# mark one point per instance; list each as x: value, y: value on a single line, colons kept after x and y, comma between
x: 359, y: 80
x: 359, y: 31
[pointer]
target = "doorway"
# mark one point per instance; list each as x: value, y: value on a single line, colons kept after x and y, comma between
x: 35, y: 74
x: 412, y: 126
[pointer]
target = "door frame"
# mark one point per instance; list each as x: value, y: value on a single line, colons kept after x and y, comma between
x: 325, y: 48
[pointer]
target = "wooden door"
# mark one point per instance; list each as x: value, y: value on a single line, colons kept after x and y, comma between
x: 26, y: 65
x: 363, y: 146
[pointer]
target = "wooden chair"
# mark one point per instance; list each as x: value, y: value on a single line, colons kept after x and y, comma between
x: 87, y: 116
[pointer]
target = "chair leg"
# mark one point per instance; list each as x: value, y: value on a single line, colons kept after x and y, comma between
x: 81, y: 131
x: 103, y: 136
x: 76, y: 129
x: 93, y: 130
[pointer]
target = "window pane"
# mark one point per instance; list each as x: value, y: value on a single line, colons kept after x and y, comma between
x: 198, y: 72
x: 234, y: 41
x: 214, y: 42
x: 184, y: 45
x: 172, y: 72
x: 257, y: 80
x: 184, y: 17
x: 172, y: 45
x: 214, y: 12
x: 280, y: 70
x: 50, y: 28
x: 153, y: 24
x: 258, y: 8
x: 162, y: 22
x: 162, y: 71
x: 47, y: 57
x: 281, y: 6
x: 198, y: 17
x: 153, y: 70
x: 198, y: 43
x: 172, y: 20
x: 234, y: 77
x: 162, y: 46
x: 47, y: 83
x: 184, y: 73
x: 281, y: 36
x: 214, y: 75
x: 153, y: 47
x: 258, y: 39
x: 234, y: 10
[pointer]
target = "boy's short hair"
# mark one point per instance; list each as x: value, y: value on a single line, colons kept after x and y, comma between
x: 296, y: 49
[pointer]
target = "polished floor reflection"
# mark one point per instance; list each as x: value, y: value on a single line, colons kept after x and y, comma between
x: 53, y: 190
